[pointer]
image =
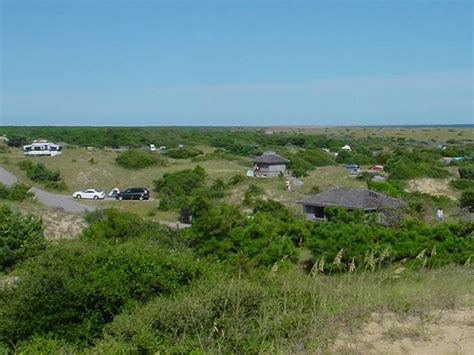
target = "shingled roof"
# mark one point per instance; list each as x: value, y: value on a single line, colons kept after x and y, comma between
x: 353, y: 198
x: 271, y: 158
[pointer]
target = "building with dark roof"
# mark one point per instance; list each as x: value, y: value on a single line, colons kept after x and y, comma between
x: 367, y: 200
x: 271, y: 164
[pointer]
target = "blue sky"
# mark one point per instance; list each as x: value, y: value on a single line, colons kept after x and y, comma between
x: 81, y: 62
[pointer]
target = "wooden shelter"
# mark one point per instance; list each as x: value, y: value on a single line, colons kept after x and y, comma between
x: 367, y: 200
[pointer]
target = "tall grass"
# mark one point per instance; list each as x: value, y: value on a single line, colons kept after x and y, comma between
x: 282, y: 311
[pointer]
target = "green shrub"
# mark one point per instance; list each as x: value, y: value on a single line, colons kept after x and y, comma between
x: 182, y: 182
x: 299, y: 167
x: 4, y: 191
x: 138, y: 159
x: 390, y: 187
x: 344, y: 215
x: 39, y: 172
x: 18, y: 192
x: 217, y: 189
x: 453, y: 242
x: 344, y: 157
x: 252, y: 192
x: 466, y: 172
x: 56, y: 185
x: 74, y: 288
x: 21, y: 237
x: 316, y: 157
x: 25, y: 164
x: 282, y: 312
x: 223, y: 233
x: 176, y: 189
x: 17, y: 140
x: 221, y: 315
x: 115, y: 225
x: 467, y: 200
x: 403, y: 170
x: 358, y: 156
x: 183, y: 153
x: 462, y: 184
x: 236, y: 179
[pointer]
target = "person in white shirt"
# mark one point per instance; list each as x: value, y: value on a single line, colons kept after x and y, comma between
x: 440, y: 214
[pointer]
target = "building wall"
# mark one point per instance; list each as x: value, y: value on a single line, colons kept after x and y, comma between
x: 272, y: 170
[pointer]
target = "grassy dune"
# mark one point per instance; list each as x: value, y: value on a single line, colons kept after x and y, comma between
x: 290, y: 312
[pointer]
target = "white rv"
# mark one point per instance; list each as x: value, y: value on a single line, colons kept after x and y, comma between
x: 42, y: 147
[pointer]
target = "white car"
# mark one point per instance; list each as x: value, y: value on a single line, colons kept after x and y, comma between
x: 91, y: 194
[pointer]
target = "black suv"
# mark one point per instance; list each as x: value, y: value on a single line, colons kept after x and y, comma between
x: 134, y: 193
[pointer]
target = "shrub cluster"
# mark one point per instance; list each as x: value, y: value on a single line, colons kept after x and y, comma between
x: 268, y: 235
x: 467, y: 200
x: 175, y: 189
x: 17, y: 192
x: 414, y: 163
x: 40, y: 173
x: 462, y: 184
x: 307, y: 160
x: 453, y: 243
x: 74, y: 288
x: 466, y: 172
x: 183, y: 153
x: 358, y: 156
x: 138, y: 159
x: 17, y: 140
x: 21, y: 237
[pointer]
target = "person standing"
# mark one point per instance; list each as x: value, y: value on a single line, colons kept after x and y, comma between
x: 440, y: 214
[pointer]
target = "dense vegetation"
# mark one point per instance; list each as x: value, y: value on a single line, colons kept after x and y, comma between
x: 176, y: 189
x: 17, y: 192
x: 38, y: 172
x: 183, y: 153
x: 129, y: 284
x: 21, y: 237
x: 73, y: 288
x: 250, y: 278
x: 138, y: 159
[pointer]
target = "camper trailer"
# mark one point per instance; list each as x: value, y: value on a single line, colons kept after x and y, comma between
x: 42, y: 147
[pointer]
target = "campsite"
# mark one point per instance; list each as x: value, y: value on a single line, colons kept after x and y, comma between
x: 300, y: 215
x: 301, y: 209
x: 82, y: 167
x: 236, y: 177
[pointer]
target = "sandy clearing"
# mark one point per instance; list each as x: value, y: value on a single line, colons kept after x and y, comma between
x: 59, y: 224
x: 441, y: 332
x: 435, y: 187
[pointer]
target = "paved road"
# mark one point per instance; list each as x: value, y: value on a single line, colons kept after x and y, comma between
x: 7, y: 178
x: 67, y: 203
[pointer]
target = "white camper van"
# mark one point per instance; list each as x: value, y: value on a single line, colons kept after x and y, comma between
x: 42, y: 147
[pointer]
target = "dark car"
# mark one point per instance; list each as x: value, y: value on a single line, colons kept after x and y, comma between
x: 134, y: 193
x: 352, y: 166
